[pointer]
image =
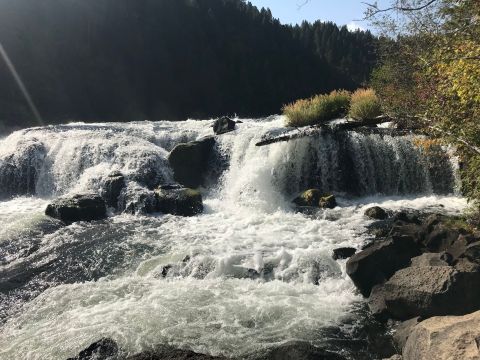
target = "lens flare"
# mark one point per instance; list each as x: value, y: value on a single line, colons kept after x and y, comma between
x: 21, y: 85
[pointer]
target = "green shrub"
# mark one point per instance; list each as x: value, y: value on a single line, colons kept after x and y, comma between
x: 365, y: 105
x: 317, y: 109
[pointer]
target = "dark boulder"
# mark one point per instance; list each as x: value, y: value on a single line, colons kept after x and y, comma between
x: 80, y: 207
x: 170, y: 353
x: 427, y: 291
x: 440, y: 238
x: 103, y: 349
x: 315, y: 198
x: 327, y: 202
x: 472, y: 252
x: 223, y: 125
x: 112, y: 188
x: 377, y: 263
x: 376, y: 213
x: 19, y: 169
x: 407, y: 217
x: 190, y: 161
x: 300, y: 350
x: 179, y: 201
x: 343, y: 253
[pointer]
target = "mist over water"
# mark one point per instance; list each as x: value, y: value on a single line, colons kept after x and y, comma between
x: 248, y: 274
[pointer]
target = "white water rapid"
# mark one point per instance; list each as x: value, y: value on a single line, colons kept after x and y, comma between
x: 248, y: 274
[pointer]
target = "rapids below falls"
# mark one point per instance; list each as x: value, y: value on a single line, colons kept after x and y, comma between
x: 64, y: 289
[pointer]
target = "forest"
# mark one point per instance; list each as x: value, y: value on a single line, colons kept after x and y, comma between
x: 124, y: 60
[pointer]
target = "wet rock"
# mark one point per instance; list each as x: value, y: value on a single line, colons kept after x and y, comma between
x: 327, y: 202
x: 189, y: 161
x: 376, y: 213
x: 428, y: 291
x: 170, y: 353
x: 223, y: 125
x: 101, y: 350
x: 112, y: 188
x: 80, y: 207
x: 299, y: 350
x: 407, y: 217
x: 448, y: 337
x: 315, y: 198
x: 380, y: 261
x: 343, y: 253
x: 140, y: 201
x: 19, y: 170
x: 472, y: 252
x: 179, y: 201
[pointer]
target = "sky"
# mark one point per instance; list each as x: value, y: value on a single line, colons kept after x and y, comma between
x: 342, y: 12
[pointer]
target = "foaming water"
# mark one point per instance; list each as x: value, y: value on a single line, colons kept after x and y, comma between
x: 248, y: 274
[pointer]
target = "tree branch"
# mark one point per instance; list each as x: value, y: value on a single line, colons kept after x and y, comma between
x: 374, y: 9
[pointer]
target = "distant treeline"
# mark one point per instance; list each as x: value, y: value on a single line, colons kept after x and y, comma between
x: 119, y: 60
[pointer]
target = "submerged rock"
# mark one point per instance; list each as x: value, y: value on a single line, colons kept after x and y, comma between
x: 378, y: 262
x: 300, y: 350
x: 179, y: 201
x: 80, y: 207
x: 223, y: 125
x: 100, y: 350
x: 315, y: 198
x: 343, y: 253
x: 428, y: 291
x: 112, y: 188
x: 107, y: 349
x: 189, y: 161
x: 446, y: 337
x: 376, y: 213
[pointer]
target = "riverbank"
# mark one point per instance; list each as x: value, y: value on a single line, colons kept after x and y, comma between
x: 421, y: 271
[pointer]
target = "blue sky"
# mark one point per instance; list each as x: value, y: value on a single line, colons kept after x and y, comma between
x: 342, y: 12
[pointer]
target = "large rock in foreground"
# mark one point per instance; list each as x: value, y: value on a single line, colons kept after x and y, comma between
x: 189, y: 161
x: 378, y: 262
x: 80, y: 207
x: 445, y: 338
x: 179, y: 201
x: 427, y: 291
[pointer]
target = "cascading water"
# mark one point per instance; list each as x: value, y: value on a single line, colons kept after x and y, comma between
x: 248, y: 274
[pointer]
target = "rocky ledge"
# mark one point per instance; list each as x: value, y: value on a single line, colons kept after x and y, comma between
x: 423, y: 270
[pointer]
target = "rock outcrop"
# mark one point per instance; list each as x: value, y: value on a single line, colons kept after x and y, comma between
x: 80, y: 207
x: 376, y: 212
x: 343, y: 253
x: 378, y: 262
x: 315, y: 198
x: 445, y: 338
x: 19, y: 170
x: 112, y: 189
x: 427, y: 291
x: 190, y: 161
x: 223, y: 125
x: 178, y: 201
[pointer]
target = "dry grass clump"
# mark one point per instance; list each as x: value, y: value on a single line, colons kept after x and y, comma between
x: 364, y: 105
x: 317, y: 109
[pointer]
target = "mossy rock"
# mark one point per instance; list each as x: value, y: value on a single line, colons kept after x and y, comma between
x: 315, y: 198
x: 179, y: 201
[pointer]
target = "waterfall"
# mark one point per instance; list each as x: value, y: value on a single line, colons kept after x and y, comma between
x: 55, y: 160
x: 248, y: 274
